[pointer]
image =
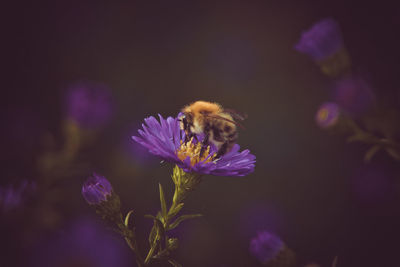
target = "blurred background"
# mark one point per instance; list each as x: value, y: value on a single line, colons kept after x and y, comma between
x: 146, y: 58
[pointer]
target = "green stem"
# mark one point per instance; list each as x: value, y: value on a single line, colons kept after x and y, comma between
x: 152, y: 249
x: 130, y: 239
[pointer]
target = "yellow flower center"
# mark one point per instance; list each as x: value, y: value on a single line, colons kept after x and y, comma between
x: 323, y: 114
x: 192, y: 150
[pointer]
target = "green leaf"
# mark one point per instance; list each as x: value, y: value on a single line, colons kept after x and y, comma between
x: 393, y: 152
x: 127, y: 218
x: 354, y: 138
x: 181, y: 219
x: 149, y: 216
x: 152, y: 234
x: 371, y: 152
x: 163, y: 203
x: 174, y: 263
x: 160, y: 227
x: 177, y: 209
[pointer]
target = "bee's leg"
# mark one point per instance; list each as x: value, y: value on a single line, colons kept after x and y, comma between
x: 222, y: 150
x: 206, y: 139
x: 188, y: 136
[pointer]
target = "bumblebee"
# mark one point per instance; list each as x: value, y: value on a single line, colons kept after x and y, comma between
x: 216, y: 123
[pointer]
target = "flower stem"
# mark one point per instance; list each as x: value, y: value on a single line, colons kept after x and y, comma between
x: 130, y: 239
x: 184, y: 183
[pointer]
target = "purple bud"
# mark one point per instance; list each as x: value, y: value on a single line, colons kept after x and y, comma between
x: 96, y: 189
x: 327, y: 115
x: 322, y: 40
x: 266, y: 246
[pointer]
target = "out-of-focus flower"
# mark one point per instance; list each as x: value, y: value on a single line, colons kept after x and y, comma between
x: 13, y: 196
x: 96, y: 189
x: 165, y: 139
x: 89, y: 104
x: 266, y: 246
x: 322, y: 40
x: 327, y: 115
x: 353, y: 94
x: 82, y: 243
x: 324, y: 43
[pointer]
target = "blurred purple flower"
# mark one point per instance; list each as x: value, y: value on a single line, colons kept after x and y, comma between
x: 165, y: 139
x: 82, y: 243
x: 96, y: 189
x: 327, y: 115
x: 322, y: 40
x: 13, y: 196
x: 353, y: 94
x: 89, y: 104
x: 266, y: 246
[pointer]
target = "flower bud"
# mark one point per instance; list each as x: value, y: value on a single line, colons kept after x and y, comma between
x: 327, y: 115
x: 96, y: 189
x: 266, y: 246
x: 173, y: 243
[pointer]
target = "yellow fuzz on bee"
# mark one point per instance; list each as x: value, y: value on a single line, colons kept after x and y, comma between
x: 192, y: 150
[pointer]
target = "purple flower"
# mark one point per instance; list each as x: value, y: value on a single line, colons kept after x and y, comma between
x: 89, y: 104
x: 13, y: 196
x: 327, y: 115
x: 322, y: 40
x: 96, y: 189
x: 353, y: 94
x: 266, y: 246
x: 165, y: 139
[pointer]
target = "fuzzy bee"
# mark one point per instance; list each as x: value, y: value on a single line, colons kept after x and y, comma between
x: 216, y: 123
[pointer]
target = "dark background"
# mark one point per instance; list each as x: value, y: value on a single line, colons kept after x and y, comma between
x: 158, y: 56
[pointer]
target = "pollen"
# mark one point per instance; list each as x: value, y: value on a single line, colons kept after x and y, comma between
x: 192, y: 150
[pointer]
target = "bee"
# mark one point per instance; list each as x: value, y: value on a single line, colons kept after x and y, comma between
x: 216, y: 123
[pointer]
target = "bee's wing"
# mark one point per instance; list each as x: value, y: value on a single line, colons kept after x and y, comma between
x: 235, y: 114
x: 225, y: 119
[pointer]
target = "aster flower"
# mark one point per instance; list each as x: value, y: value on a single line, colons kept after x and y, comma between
x: 89, y: 104
x: 165, y: 139
x: 322, y: 40
x: 266, y: 246
x: 327, y: 115
x: 96, y: 189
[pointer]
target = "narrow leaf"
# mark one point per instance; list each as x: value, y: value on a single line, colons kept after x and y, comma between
x: 393, y: 152
x: 163, y: 203
x: 354, y: 138
x: 183, y: 218
x: 149, y: 216
x: 152, y: 234
x: 371, y: 152
x: 177, y: 209
x: 174, y: 263
x: 127, y: 218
